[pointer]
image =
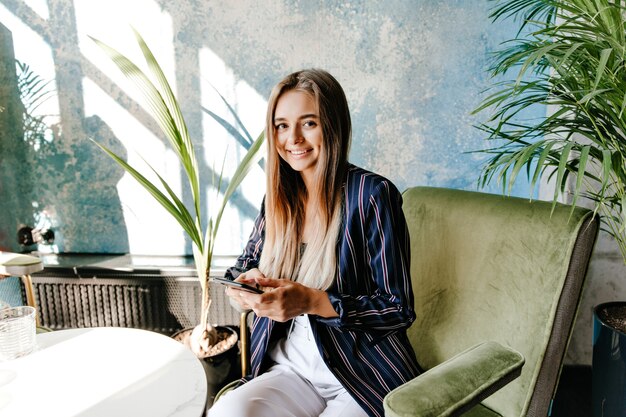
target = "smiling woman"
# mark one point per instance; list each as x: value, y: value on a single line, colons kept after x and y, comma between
x: 329, y: 248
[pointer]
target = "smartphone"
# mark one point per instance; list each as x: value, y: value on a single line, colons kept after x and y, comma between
x: 238, y: 285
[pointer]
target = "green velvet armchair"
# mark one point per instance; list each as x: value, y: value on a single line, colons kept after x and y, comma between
x: 497, y: 283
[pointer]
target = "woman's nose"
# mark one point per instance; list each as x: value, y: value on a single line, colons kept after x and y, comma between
x: 295, y: 136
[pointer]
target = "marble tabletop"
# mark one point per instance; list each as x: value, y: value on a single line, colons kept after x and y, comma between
x: 104, y: 371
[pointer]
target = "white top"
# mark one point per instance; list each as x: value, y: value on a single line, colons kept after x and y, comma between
x: 104, y: 371
x: 298, y: 351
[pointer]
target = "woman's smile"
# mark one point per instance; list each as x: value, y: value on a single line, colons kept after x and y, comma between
x: 299, y: 152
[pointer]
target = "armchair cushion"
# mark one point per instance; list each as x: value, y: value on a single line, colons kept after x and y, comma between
x: 457, y: 384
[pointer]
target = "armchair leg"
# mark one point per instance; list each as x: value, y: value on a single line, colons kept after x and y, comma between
x: 30, y: 295
x: 245, y: 342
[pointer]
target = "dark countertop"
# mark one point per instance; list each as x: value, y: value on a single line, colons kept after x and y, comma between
x: 88, y: 265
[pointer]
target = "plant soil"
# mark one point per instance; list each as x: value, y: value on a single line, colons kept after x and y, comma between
x: 614, y: 316
x: 225, y: 340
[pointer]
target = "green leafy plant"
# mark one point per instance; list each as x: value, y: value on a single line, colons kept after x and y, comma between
x: 34, y: 92
x: 165, y: 110
x: 572, y: 60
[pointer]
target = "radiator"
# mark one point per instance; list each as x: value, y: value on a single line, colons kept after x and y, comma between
x: 161, y: 294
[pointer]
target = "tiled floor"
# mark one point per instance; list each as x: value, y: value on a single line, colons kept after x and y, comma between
x: 573, y: 395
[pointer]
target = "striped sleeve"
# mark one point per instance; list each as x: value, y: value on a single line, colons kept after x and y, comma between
x: 388, y: 306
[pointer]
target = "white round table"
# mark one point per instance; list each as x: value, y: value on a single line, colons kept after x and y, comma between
x: 104, y: 371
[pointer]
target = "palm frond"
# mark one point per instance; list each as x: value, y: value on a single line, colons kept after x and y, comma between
x: 572, y: 60
x: 165, y: 110
x: 187, y: 153
x: 180, y: 214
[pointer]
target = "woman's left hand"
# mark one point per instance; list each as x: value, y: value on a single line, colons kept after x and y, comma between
x: 284, y: 299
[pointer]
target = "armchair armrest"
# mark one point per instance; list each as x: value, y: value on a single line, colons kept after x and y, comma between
x: 456, y: 385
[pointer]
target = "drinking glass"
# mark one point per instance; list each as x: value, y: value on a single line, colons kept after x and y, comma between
x: 17, y: 332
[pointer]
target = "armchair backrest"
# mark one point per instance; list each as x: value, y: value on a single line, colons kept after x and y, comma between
x: 489, y: 267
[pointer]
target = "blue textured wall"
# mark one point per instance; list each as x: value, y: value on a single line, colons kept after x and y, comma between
x: 412, y: 70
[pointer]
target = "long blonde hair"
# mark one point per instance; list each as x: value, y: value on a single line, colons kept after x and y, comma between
x: 285, y: 201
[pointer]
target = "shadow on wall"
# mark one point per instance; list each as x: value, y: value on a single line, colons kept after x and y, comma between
x: 77, y: 183
x: 412, y: 71
x: 49, y: 175
x: 77, y: 191
x: 81, y: 186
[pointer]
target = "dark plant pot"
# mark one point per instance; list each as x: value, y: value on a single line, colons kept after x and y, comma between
x: 609, y: 363
x: 220, y: 369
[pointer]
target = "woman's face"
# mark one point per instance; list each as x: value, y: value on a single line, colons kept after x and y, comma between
x: 298, y: 132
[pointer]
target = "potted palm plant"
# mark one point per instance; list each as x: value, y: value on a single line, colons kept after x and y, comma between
x: 165, y: 110
x: 569, y: 56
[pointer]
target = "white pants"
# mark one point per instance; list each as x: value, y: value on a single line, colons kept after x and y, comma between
x: 298, y: 385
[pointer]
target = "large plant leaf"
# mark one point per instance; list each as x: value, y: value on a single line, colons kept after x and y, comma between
x: 187, y: 153
x: 180, y: 214
x: 164, y: 108
x: 569, y: 55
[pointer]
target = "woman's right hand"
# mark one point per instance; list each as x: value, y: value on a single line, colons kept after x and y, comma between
x: 248, y: 277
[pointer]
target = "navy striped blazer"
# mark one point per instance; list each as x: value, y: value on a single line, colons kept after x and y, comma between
x: 366, y: 347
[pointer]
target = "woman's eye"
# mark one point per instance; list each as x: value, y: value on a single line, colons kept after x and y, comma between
x: 310, y: 123
x: 280, y: 126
